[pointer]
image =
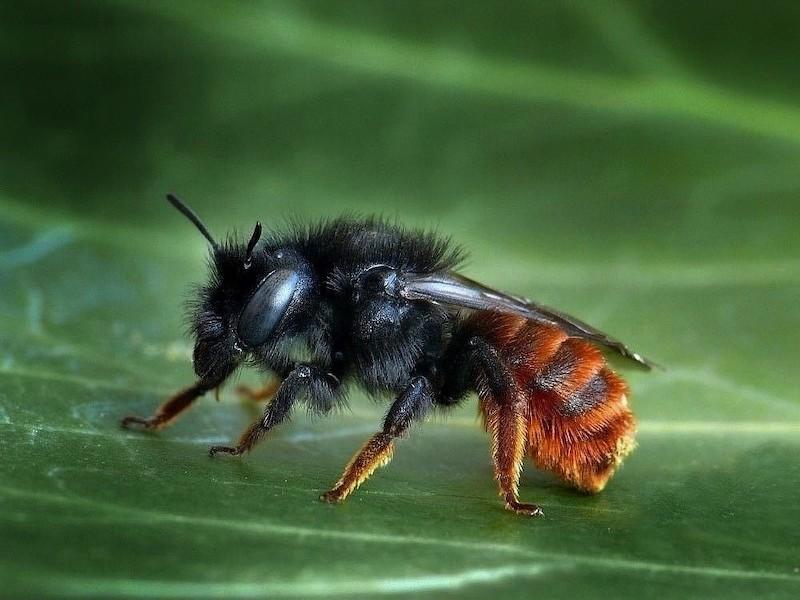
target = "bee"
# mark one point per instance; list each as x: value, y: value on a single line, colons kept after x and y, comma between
x: 363, y: 301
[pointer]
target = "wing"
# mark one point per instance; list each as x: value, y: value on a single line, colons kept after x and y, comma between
x: 456, y: 290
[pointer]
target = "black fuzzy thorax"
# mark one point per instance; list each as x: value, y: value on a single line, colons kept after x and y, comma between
x: 338, y: 249
x: 377, y: 341
x: 342, y: 248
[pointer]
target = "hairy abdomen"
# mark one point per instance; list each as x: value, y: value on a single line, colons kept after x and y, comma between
x: 579, y: 424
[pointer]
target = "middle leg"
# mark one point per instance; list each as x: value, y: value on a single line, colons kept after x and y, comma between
x: 410, y: 406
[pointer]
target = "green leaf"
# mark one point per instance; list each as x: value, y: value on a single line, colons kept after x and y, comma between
x: 611, y: 159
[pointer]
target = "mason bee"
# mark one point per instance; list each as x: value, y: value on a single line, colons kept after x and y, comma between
x: 364, y: 301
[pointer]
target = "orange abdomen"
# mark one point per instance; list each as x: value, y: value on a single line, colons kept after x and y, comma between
x: 579, y: 424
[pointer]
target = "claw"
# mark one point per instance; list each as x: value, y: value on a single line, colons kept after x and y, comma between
x: 333, y: 496
x: 224, y: 449
x: 146, y: 423
x: 522, y: 508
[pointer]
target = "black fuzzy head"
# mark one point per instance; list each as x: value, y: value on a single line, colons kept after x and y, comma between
x: 258, y: 293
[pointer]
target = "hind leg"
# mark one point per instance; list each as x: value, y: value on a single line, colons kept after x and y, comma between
x: 505, y: 409
x: 508, y: 427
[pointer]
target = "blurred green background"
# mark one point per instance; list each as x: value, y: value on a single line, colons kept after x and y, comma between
x: 634, y: 163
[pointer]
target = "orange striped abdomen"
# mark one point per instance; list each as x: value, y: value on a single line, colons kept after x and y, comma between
x: 579, y: 424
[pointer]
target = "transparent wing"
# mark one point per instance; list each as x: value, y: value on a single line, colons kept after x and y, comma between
x: 456, y: 290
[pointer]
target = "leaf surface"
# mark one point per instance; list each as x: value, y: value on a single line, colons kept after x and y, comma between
x: 598, y: 159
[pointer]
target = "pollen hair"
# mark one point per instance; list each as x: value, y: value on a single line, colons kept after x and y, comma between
x: 579, y: 425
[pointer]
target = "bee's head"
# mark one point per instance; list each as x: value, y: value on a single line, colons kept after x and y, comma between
x: 257, y: 294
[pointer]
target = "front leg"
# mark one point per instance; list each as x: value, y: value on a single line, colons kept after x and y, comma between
x: 411, y: 405
x: 264, y: 392
x: 170, y: 409
x: 214, y: 362
x: 319, y: 387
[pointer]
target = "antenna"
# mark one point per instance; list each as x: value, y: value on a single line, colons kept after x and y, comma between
x: 253, y: 240
x: 192, y: 216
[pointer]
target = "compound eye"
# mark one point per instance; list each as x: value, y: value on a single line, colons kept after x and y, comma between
x: 267, y: 306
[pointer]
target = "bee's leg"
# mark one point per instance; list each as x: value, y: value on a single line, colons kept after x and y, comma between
x: 265, y: 392
x: 411, y: 405
x: 508, y: 426
x: 505, y: 409
x: 320, y: 386
x: 169, y: 410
